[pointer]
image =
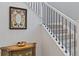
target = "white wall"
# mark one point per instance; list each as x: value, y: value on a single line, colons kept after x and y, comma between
x: 71, y: 9
x: 9, y: 37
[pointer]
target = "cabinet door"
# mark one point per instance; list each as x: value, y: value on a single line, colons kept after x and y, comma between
x: 24, y: 52
x: 4, y: 53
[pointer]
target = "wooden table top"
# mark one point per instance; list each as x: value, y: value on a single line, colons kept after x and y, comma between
x: 15, y: 47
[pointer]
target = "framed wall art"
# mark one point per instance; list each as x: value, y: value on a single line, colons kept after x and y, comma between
x: 18, y: 18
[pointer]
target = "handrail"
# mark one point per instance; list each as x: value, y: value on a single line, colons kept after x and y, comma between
x: 70, y: 20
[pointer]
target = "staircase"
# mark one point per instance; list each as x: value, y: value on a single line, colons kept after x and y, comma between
x: 61, y: 27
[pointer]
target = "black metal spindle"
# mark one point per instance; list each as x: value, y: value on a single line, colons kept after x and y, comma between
x: 47, y: 17
x: 66, y: 36
x: 43, y: 14
x: 43, y: 18
x: 70, y: 38
x: 59, y: 28
x: 62, y: 31
x: 74, y: 40
x: 51, y: 20
x: 36, y: 8
x: 30, y: 4
x: 56, y: 26
x: 39, y: 13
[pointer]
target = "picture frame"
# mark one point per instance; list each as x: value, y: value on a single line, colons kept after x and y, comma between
x: 17, y: 18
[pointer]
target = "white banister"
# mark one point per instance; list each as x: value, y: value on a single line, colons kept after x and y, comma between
x: 69, y: 19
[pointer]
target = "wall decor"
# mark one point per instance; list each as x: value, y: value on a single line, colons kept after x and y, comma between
x: 18, y: 18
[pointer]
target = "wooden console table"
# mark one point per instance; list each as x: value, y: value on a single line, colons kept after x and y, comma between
x: 28, y: 50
